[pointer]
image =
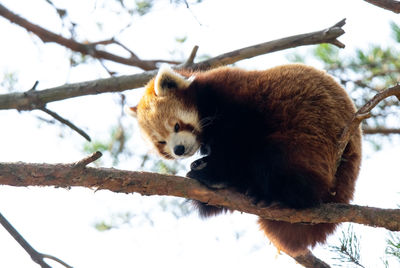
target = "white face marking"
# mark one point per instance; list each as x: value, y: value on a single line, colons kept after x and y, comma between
x: 183, y: 138
x: 159, y: 128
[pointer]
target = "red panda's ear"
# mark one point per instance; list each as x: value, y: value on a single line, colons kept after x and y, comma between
x: 132, y: 111
x: 167, y: 80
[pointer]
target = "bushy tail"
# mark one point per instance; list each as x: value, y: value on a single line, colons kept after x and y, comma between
x: 296, y: 238
x: 206, y: 210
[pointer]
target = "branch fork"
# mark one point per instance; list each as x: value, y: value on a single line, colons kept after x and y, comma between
x: 363, y: 113
x: 34, y: 254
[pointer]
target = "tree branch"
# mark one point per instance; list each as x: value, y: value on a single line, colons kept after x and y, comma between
x: 120, y: 181
x: 35, y: 255
x: 361, y: 114
x: 33, y: 99
x: 309, y: 260
x: 66, y: 122
x: 391, y: 5
x: 380, y: 130
x: 328, y: 35
x: 83, y: 48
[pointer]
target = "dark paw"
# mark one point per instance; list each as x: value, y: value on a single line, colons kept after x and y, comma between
x: 205, y: 180
x: 201, y: 171
x: 198, y: 164
x: 258, y: 200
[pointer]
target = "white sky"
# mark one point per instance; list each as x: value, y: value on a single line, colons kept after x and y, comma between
x: 60, y: 222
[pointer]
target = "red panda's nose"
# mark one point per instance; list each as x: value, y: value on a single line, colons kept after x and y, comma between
x: 179, y: 150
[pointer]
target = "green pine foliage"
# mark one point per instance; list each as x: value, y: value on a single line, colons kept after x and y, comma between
x: 348, y: 250
x: 364, y: 73
x: 393, y: 246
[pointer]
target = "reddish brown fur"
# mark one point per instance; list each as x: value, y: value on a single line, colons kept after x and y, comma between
x: 308, y: 118
x: 300, y: 124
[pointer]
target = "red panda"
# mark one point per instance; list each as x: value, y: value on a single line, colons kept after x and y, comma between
x: 271, y: 135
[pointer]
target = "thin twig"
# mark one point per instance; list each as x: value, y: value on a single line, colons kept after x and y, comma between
x: 191, y: 11
x: 35, y: 255
x: 66, y: 122
x: 87, y: 160
x: 361, y: 114
x: 111, y: 73
x: 61, y: 119
x: 132, y: 54
x: 190, y: 59
x: 34, y: 86
x: 47, y: 256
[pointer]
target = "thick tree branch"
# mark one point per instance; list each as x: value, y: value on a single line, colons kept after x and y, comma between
x: 35, y: 255
x: 31, y: 100
x: 120, y: 181
x: 83, y: 48
x: 34, y: 99
x: 391, y: 5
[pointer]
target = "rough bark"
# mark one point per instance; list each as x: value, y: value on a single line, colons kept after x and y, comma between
x: 121, y: 181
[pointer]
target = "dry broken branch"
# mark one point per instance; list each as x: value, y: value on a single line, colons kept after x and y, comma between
x: 120, y: 181
x: 34, y: 99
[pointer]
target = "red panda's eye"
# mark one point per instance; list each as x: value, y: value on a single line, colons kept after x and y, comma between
x: 162, y: 142
x: 177, y: 127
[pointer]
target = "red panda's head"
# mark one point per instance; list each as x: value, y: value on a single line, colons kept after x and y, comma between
x: 168, y: 120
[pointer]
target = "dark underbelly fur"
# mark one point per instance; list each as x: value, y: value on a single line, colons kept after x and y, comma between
x: 241, y: 157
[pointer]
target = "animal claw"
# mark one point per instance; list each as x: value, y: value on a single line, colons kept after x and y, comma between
x: 198, y: 164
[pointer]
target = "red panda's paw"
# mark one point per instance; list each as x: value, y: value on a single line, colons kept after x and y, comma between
x: 198, y: 164
x: 258, y: 200
x: 202, y: 171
